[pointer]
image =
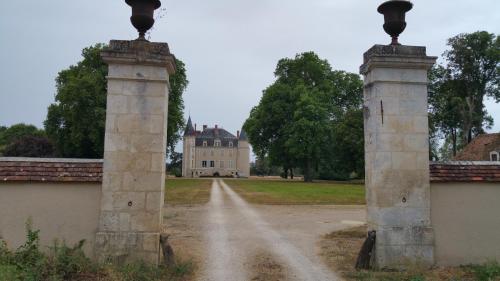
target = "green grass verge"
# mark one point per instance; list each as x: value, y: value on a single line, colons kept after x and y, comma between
x: 294, y: 192
x: 187, y: 191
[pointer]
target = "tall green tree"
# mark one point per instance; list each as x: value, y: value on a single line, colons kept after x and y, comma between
x: 458, y: 88
x: 76, y: 121
x: 297, y: 117
x: 474, y: 67
x: 308, y: 131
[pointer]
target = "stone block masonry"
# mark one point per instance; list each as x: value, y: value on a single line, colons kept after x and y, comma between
x: 397, y: 154
x: 134, y: 151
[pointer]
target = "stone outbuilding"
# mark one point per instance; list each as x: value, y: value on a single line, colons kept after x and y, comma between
x: 485, y: 147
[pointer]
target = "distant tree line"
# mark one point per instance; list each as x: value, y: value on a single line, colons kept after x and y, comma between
x: 75, y: 123
x: 25, y: 140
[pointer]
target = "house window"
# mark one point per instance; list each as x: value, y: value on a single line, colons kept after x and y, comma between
x: 205, y: 143
x: 192, y: 163
x: 212, y: 164
x: 217, y: 143
x: 230, y: 164
x: 230, y: 144
x: 494, y: 156
x: 222, y: 164
x: 231, y: 153
x: 203, y: 164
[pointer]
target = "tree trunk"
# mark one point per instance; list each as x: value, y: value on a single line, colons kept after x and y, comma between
x: 291, y: 173
x: 307, y: 171
x: 454, y: 142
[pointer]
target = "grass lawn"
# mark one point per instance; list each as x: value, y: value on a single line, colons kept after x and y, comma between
x: 295, y: 192
x: 187, y: 191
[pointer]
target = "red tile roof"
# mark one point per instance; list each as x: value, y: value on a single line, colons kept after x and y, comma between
x: 81, y: 170
x: 479, y: 148
x: 50, y: 170
x: 462, y: 171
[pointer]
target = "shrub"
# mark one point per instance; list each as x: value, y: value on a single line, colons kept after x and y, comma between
x: 28, y: 263
x: 487, y: 272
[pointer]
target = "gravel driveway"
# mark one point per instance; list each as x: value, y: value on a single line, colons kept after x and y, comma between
x: 235, y: 241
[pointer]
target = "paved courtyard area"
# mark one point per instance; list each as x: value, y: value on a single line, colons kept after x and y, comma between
x: 230, y: 239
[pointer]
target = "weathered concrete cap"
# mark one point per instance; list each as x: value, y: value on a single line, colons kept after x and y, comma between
x: 139, y: 52
x: 397, y: 56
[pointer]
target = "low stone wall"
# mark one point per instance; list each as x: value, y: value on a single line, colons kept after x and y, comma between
x: 466, y: 221
x: 62, y: 197
x: 65, y: 211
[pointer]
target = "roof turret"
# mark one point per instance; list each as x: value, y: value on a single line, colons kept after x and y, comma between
x: 189, y: 128
x: 243, y: 135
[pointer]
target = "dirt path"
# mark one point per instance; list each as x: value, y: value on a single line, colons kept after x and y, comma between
x: 233, y: 240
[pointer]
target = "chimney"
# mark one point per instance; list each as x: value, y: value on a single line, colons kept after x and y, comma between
x: 238, y: 134
x: 216, y: 127
x: 204, y: 127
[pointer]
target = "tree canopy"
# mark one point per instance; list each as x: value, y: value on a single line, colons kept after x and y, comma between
x: 10, y: 135
x: 470, y: 74
x: 299, y: 117
x: 30, y: 146
x: 76, y: 121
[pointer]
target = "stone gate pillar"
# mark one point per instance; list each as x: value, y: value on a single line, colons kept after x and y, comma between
x: 134, y: 151
x: 397, y: 153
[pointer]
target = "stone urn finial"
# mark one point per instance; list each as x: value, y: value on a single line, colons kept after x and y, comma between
x: 143, y: 15
x: 394, y: 12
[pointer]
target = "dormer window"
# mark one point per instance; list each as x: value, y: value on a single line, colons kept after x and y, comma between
x: 217, y: 143
x: 230, y: 144
x: 494, y: 156
x: 205, y: 144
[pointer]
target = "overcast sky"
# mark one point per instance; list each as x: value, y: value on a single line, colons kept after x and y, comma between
x: 230, y: 47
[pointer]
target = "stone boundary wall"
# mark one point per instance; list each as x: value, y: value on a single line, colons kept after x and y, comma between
x: 68, y: 211
x: 466, y: 221
x: 63, y: 198
x: 465, y: 212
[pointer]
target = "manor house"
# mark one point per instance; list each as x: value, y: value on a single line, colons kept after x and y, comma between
x: 214, y: 152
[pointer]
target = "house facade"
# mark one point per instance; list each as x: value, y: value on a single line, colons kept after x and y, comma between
x: 214, y: 152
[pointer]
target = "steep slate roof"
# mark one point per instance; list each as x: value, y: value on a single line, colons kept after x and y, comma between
x: 216, y: 133
x: 189, y: 131
x: 243, y: 135
x: 465, y: 171
x: 211, y: 134
x: 50, y: 170
x: 479, y: 148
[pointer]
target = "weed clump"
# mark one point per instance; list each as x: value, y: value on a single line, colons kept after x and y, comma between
x: 62, y: 263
